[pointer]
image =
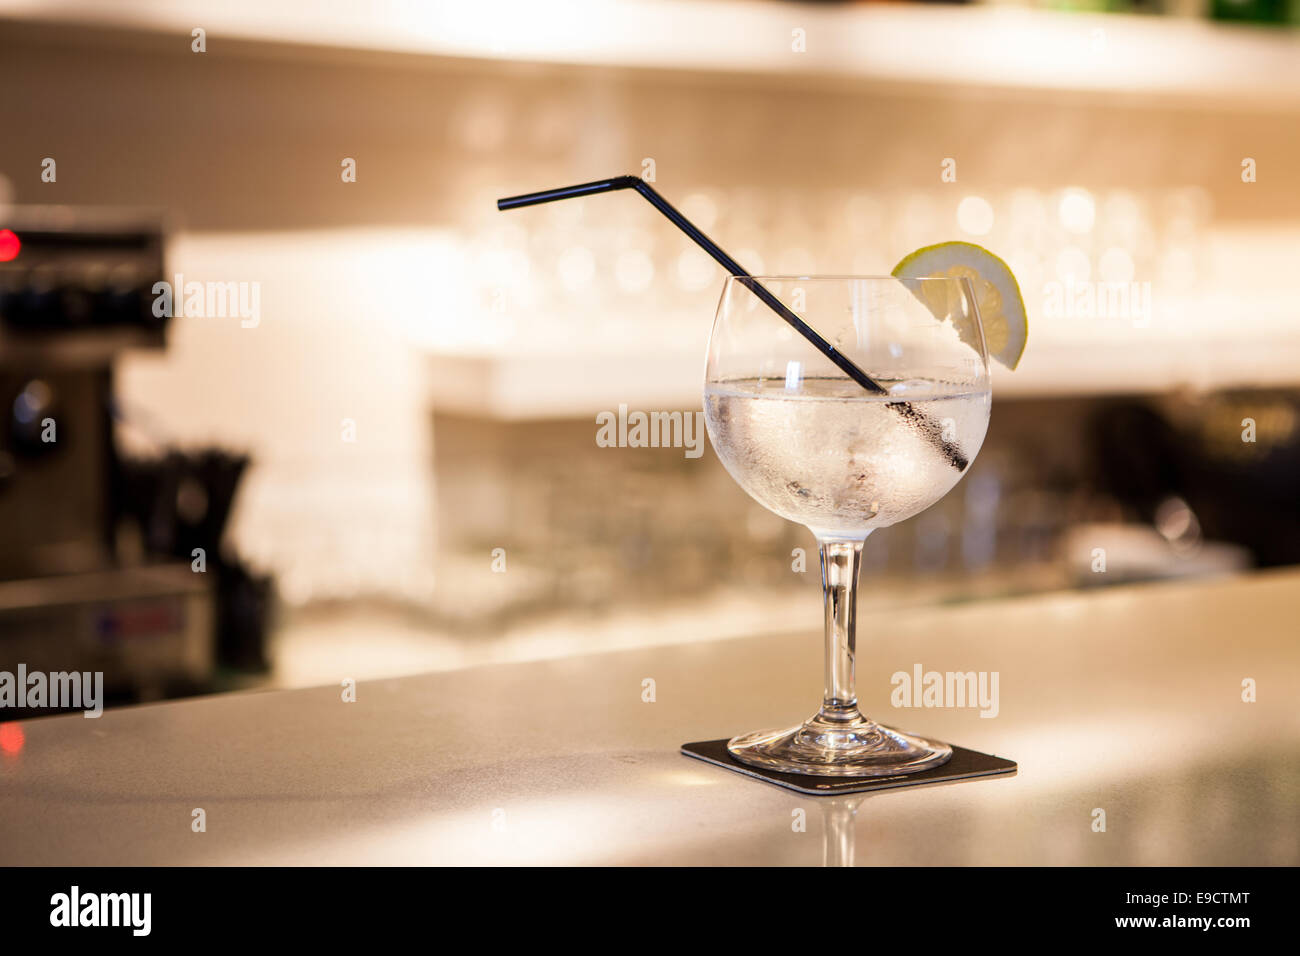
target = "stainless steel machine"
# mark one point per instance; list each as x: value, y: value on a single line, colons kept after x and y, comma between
x: 76, y: 291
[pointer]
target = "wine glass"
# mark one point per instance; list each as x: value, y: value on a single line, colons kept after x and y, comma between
x: 815, y: 446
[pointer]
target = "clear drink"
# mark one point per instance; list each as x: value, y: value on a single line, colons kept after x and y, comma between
x: 835, y: 458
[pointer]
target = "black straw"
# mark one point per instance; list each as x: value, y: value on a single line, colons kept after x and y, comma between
x: 928, y: 426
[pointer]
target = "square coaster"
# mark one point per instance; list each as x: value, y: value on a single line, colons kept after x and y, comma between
x: 964, y: 765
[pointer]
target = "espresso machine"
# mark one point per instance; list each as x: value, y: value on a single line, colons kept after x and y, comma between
x: 76, y: 291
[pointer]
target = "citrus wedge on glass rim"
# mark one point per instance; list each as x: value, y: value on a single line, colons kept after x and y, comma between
x: 997, y: 294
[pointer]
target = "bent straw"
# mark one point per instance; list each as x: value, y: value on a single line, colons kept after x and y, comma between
x: 927, y: 425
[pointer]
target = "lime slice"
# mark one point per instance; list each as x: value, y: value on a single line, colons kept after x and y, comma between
x: 997, y: 294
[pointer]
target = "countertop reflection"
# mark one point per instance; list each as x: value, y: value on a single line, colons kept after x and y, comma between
x: 1127, y: 701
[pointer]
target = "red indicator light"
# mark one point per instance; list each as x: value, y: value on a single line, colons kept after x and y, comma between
x: 9, y: 245
x: 11, y: 738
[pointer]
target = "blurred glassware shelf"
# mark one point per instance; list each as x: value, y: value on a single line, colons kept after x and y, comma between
x: 988, y: 46
x: 518, y: 384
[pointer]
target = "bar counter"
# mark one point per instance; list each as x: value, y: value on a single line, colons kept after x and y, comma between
x: 1125, y: 701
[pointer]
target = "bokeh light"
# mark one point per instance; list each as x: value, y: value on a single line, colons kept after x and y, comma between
x: 1077, y: 211
x: 975, y: 216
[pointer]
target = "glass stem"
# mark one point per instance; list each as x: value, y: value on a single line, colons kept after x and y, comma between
x: 841, y: 560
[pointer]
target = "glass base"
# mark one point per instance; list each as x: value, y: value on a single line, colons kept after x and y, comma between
x: 852, y: 747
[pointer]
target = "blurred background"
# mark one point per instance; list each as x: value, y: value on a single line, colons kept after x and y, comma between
x: 378, y: 456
